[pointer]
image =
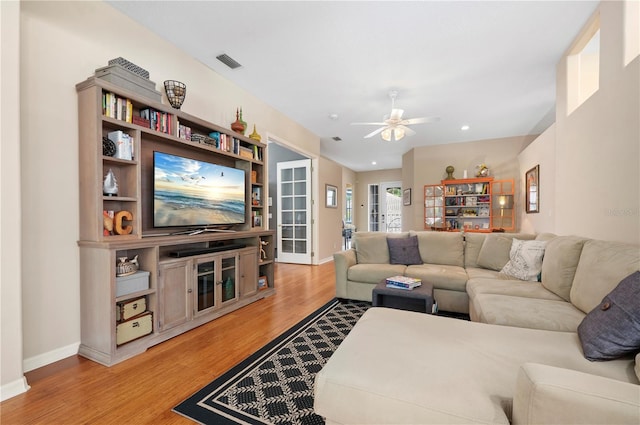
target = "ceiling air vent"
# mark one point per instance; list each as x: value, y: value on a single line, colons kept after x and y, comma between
x: 336, y: 138
x: 228, y: 60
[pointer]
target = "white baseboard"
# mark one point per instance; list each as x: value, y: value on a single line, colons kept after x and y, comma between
x: 326, y: 260
x: 14, y: 388
x: 50, y: 357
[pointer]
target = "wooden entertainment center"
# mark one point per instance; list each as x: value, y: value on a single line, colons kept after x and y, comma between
x: 189, y: 277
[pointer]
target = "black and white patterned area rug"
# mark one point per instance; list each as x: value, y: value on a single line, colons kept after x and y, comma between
x: 275, y: 384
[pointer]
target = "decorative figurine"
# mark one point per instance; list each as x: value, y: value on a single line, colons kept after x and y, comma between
x: 243, y: 122
x: 110, y: 186
x: 263, y: 253
x: 450, y: 171
x: 237, y: 124
x: 255, y: 136
x: 483, y: 170
x: 125, y: 267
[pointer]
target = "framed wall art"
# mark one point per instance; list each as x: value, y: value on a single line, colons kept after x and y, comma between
x: 406, y: 197
x: 532, y: 190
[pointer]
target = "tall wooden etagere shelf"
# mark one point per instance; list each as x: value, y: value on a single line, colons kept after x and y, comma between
x: 182, y: 292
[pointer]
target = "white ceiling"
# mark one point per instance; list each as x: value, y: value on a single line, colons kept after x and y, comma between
x: 487, y: 64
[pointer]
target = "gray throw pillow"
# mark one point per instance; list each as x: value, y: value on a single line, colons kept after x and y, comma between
x: 612, y: 329
x: 404, y: 251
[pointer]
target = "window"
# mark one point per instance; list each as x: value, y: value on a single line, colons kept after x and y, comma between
x: 631, y: 30
x: 583, y: 67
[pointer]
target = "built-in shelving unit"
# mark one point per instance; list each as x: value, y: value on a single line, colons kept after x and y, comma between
x: 471, y: 205
x: 182, y: 290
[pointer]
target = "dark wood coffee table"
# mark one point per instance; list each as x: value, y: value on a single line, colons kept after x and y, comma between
x: 417, y: 299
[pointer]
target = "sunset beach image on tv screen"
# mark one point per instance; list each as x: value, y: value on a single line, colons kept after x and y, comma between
x: 189, y: 192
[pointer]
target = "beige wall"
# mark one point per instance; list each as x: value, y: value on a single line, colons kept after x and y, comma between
x: 364, y: 179
x: 542, y: 152
x: 12, y: 381
x: 411, y: 213
x: 598, y: 144
x: 62, y: 43
x: 330, y: 219
x: 429, y: 163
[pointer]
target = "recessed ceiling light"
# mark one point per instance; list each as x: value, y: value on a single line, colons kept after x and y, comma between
x: 334, y: 117
x: 464, y: 127
x: 373, y: 163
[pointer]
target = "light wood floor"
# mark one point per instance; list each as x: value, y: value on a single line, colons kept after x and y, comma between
x: 143, y: 390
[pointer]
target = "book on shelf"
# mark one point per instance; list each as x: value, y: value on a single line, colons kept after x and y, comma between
x: 406, y: 288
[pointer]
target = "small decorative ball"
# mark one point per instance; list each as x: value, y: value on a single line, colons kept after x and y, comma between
x: 108, y: 147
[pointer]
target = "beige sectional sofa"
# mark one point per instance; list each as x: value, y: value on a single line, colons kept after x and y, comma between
x: 519, y: 360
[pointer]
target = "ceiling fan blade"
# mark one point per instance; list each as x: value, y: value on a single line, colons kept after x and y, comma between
x: 420, y: 120
x: 373, y: 133
x: 396, y: 114
x: 407, y: 130
x: 368, y: 123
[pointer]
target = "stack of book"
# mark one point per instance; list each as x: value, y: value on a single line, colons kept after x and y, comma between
x: 403, y: 282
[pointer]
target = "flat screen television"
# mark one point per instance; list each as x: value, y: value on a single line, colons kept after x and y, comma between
x: 193, y: 193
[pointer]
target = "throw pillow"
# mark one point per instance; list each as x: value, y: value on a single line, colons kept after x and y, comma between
x: 404, y: 251
x: 525, y: 259
x: 612, y: 329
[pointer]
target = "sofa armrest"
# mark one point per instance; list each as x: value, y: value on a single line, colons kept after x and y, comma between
x: 552, y: 395
x: 342, y: 260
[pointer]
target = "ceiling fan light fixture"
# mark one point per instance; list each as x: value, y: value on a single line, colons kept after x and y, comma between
x: 399, y: 133
x: 386, y: 134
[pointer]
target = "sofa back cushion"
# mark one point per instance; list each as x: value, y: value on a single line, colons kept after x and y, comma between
x: 446, y: 248
x: 495, y: 249
x: 602, y: 265
x: 371, y: 247
x: 472, y: 245
x: 560, y: 262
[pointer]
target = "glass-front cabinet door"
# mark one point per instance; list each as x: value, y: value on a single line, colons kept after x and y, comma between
x: 206, y: 284
x: 228, y: 281
x: 433, y: 207
x: 216, y: 282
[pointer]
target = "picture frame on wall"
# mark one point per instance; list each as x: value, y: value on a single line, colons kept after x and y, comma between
x: 532, y: 190
x: 331, y: 196
x: 406, y: 197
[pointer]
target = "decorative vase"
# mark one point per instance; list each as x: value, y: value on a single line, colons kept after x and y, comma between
x: 176, y: 92
x: 255, y: 136
x: 237, y: 124
x: 244, y: 123
x: 450, y: 171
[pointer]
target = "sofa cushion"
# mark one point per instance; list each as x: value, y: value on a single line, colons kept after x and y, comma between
x: 525, y: 259
x: 441, y: 247
x: 514, y: 287
x: 374, y: 273
x: 371, y: 247
x: 603, y: 264
x: 440, y: 276
x: 494, y: 253
x: 472, y: 245
x: 561, y: 258
x: 404, y: 250
x: 612, y: 329
x: 521, y: 312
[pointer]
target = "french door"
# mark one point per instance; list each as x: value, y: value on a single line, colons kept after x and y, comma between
x: 294, y: 211
x: 385, y: 206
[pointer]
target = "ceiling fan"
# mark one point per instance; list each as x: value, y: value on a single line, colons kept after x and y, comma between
x: 393, y: 124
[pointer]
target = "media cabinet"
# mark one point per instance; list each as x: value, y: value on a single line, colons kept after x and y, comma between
x: 193, y: 277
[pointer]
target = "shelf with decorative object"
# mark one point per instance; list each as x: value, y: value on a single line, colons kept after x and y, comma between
x: 120, y: 133
x: 466, y: 204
